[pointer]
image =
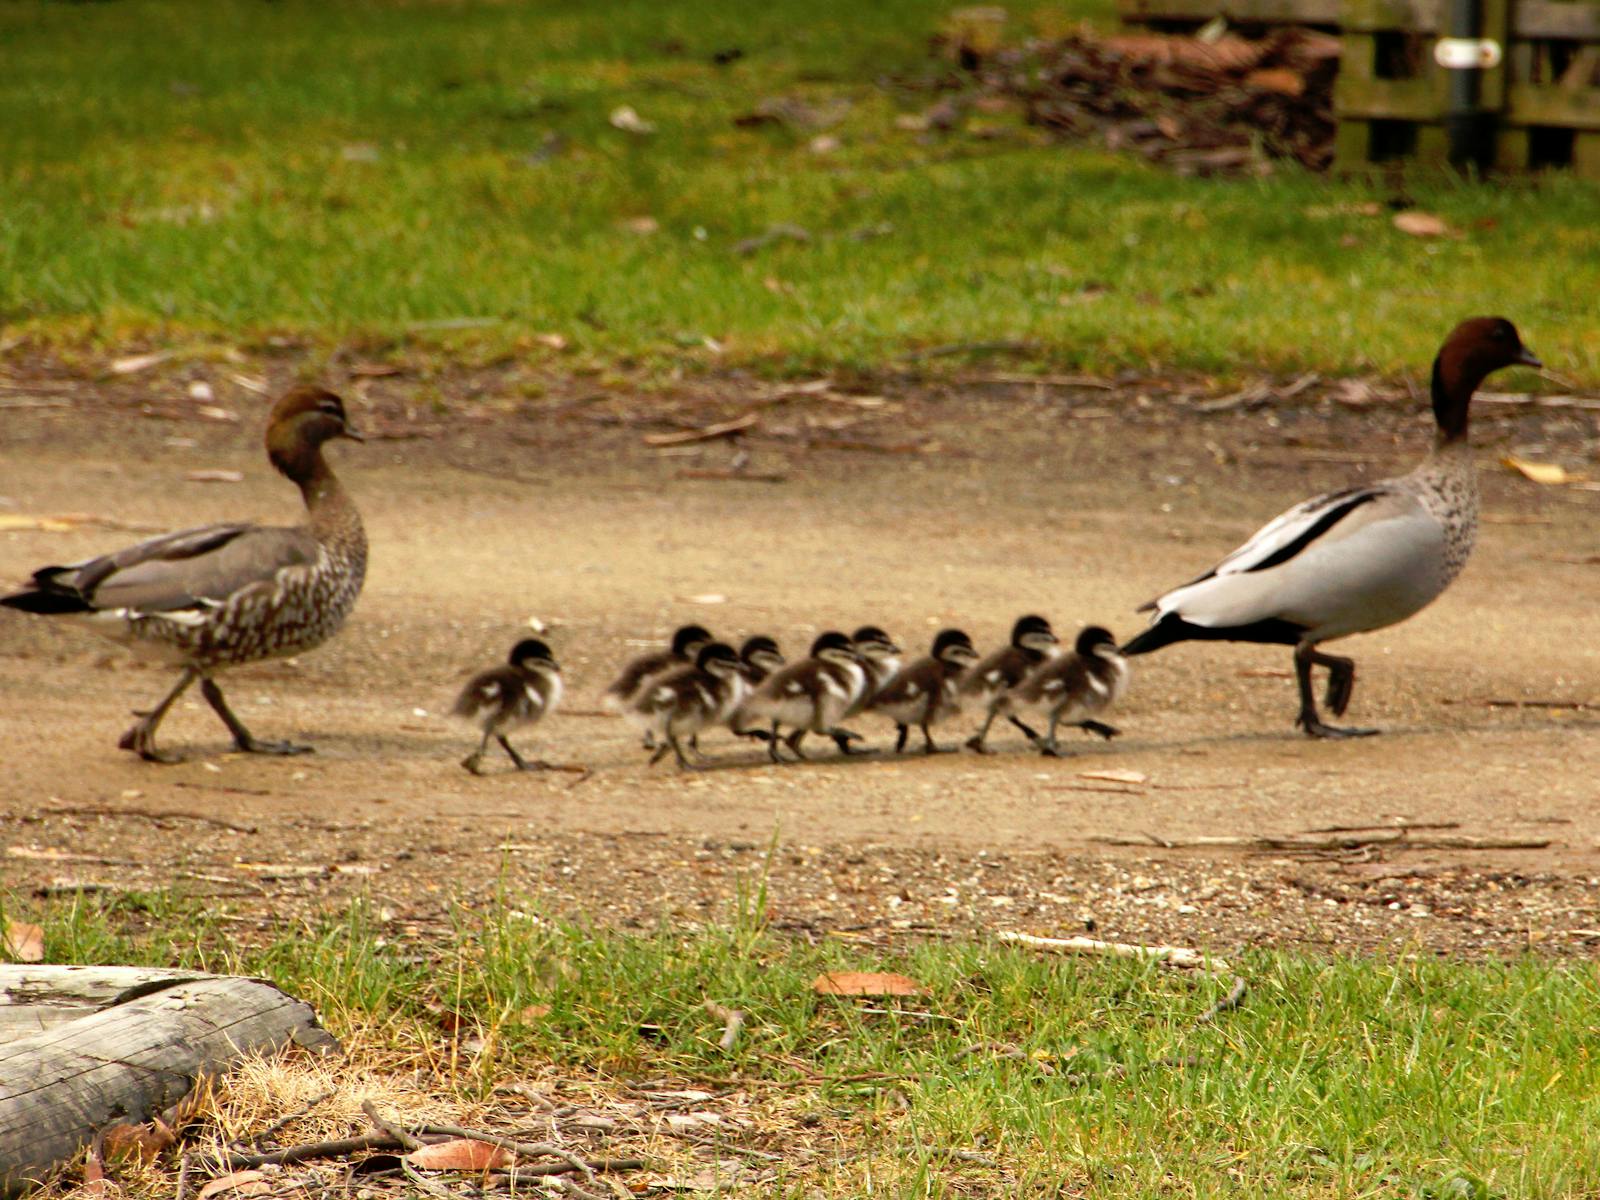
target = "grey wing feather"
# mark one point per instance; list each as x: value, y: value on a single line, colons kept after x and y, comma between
x: 195, y: 566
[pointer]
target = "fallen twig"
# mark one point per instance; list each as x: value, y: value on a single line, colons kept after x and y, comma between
x: 288, y: 1119
x: 148, y: 814
x: 731, y: 476
x: 1398, y: 839
x: 1167, y: 956
x: 382, y: 1125
x: 706, y: 433
x: 1228, y: 1003
x: 733, y: 1022
x: 337, y: 1148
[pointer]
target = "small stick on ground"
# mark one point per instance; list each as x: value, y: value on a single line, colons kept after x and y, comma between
x: 337, y: 1148
x: 148, y: 814
x: 1228, y: 1003
x: 383, y: 1125
x: 1396, y: 838
x: 278, y: 1126
x: 733, y: 1022
x: 1167, y: 956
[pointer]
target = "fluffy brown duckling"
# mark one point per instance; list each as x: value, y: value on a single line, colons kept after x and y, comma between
x: 220, y: 596
x: 810, y: 696
x: 1032, y: 642
x: 925, y: 692
x: 1074, y: 689
x: 676, y: 706
x: 521, y: 692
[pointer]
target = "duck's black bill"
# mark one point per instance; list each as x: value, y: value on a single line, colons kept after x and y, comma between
x: 1529, y: 359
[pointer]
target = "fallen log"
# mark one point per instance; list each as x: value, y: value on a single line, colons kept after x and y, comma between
x: 122, y: 1044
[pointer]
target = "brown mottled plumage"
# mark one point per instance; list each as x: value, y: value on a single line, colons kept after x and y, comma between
x: 925, y: 693
x: 210, y: 598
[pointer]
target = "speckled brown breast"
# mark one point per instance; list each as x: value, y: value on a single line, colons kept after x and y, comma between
x: 298, y: 609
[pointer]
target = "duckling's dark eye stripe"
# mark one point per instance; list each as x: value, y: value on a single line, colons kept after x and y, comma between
x: 1321, y: 526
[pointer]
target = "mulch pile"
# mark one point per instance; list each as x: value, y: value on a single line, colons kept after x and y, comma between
x: 1225, y: 104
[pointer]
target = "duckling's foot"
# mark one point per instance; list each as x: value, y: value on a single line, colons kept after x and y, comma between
x: 1050, y: 749
x: 649, y: 742
x: 1314, y: 727
x: 975, y: 744
x: 141, y: 739
x: 1106, y: 731
x: 843, y: 737
x: 661, y: 752
x: 474, y: 762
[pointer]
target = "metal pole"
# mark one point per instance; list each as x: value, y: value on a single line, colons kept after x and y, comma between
x: 1464, y: 124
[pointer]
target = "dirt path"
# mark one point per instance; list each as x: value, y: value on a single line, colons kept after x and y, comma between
x: 1079, y: 505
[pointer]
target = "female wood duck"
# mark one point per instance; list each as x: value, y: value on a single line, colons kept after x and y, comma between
x: 222, y: 595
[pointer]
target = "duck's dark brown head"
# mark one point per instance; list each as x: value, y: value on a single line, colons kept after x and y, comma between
x: 1475, y: 348
x: 301, y: 421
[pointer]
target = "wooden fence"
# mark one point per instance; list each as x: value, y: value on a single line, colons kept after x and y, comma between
x: 1539, y: 100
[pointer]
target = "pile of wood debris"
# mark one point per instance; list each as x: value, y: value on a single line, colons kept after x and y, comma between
x: 1214, y: 102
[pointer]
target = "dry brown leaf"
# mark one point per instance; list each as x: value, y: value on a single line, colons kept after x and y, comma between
x: 1421, y: 224
x: 462, y: 1154
x: 864, y: 983
x: 534, y: 1012
x: 1116, y: 775
x: 1538, y: 472
x: 24, y: 942
x: 237, y: 1183
x: 1281, y: 80
x: 142, y: 1142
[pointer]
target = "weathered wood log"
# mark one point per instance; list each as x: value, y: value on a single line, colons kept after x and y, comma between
x: 34, y: 998
x: 151, y: 1038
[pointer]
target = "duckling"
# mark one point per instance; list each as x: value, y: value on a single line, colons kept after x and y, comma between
x: 1073, y: 688
x: 761, y: 657
x: 880, y: 660
x: 1356, y: 560
x: 625, y: 690
x: 809, y: 696
x: 221, y: 595
x: 521, y: 692
x: 1032, y: 642
x: 682, y: 702
x: 925, y: 693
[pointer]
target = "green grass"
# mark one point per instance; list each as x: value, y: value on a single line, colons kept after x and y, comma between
x: 350, y: 173
x: 1342, y: 1077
